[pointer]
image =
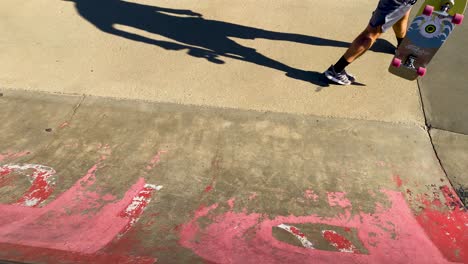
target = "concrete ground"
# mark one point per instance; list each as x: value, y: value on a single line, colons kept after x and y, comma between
x: 203, y: 132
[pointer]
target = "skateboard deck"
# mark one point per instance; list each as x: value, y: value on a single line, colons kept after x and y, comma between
x: 428, y: 31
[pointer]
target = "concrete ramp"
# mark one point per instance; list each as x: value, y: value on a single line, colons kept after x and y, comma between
x: 96, y: 180
x: 156, y: 131
x: 445, y: 93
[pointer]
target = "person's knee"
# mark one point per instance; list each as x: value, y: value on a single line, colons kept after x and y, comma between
x: 370, y: 35
x: 366, y: 40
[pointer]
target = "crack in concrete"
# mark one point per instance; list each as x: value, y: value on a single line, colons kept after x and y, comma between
x: 75, y: 108
x: 428, y: 129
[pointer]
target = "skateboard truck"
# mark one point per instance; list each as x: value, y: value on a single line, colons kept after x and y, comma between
x: 409, y: 63
x: 457, y: 19
x: 446, y: 7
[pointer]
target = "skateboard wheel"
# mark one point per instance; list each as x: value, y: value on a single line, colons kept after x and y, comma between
x: 396, y: 62
x: 428, y: 9
x: 457, y: 19
x: 421, y: 71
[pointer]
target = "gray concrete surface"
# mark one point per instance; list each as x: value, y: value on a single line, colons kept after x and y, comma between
x: 67, y: 48
x: 444, y: 90
x: 225, y: 145
x: 452, y: 151
x: 444, y: 95
x: 288, y: 168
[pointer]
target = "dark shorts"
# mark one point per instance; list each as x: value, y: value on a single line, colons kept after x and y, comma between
x: 389, y: 12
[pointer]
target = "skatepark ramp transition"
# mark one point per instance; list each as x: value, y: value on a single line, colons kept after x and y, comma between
x: 132, y: 143
x: 445, y: 100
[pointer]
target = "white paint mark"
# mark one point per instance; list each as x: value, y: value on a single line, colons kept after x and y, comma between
x: 138, y: 205
x: 41, y: 178
x: 298, y: 234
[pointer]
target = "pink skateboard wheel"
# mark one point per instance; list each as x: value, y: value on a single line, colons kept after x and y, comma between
x: 421, y: 71
x: 457, y: 19
x: 396, y: 62
x: 428, y: 9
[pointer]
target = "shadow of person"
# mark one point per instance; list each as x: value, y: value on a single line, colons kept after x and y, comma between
x: 208, y: 39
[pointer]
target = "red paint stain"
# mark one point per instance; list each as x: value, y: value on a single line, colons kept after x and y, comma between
x: 447, y: 229
x: 39, y: 191
x: 42, y: 178
x: 5, y: 171
x: 208, y: 188
x: 390, y: 234
x: 339, y: 242
x: 296, y: 231
x: 62, y: 224
x: 137, y: 206
x: 397, y: 180
x: 28, y: 254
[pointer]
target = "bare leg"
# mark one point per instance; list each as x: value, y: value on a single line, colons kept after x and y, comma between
x: 362, y: 43
x: 401, y: 26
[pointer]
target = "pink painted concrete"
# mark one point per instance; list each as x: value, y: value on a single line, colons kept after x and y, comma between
x: 42, y: 180
x: 310, y: 195
x: 391, y: 235
x: 81, y: 221
x: 338, y: 199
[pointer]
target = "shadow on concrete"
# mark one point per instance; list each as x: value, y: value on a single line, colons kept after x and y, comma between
x: 208, y: 39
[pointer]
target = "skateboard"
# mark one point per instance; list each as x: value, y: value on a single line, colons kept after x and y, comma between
x: 427, y: 33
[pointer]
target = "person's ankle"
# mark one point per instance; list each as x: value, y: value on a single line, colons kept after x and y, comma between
x: 341, y: 64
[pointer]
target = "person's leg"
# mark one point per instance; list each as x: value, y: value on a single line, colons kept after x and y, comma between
x: 358, y: 47
x: 362, y: 43
x: 401, y: 27
x: 388, y: 13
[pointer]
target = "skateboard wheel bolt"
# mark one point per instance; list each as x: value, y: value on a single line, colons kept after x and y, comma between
x: 428, y: 9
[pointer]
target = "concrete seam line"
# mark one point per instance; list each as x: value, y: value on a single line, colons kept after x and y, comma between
x: 75, y: 109
x: 421, y: 103
x: 407, y: 123
x: 428, y: 129
x: 446, y: 130
x: 443, y: 169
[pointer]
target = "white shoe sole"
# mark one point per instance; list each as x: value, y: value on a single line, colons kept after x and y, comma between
x: 331, y: 78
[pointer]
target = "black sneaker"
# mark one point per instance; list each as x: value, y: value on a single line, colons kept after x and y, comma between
x: 342, y: 78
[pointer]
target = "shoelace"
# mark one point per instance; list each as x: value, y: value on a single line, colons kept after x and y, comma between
x: 343, y: 76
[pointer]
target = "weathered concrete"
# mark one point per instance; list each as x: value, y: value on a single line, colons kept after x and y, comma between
x: 445, y: 100
x: 444, y: 90
x: 253, y: 55
x: 452, y: 149
x: 141, y: 182
x: 236, y: 158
